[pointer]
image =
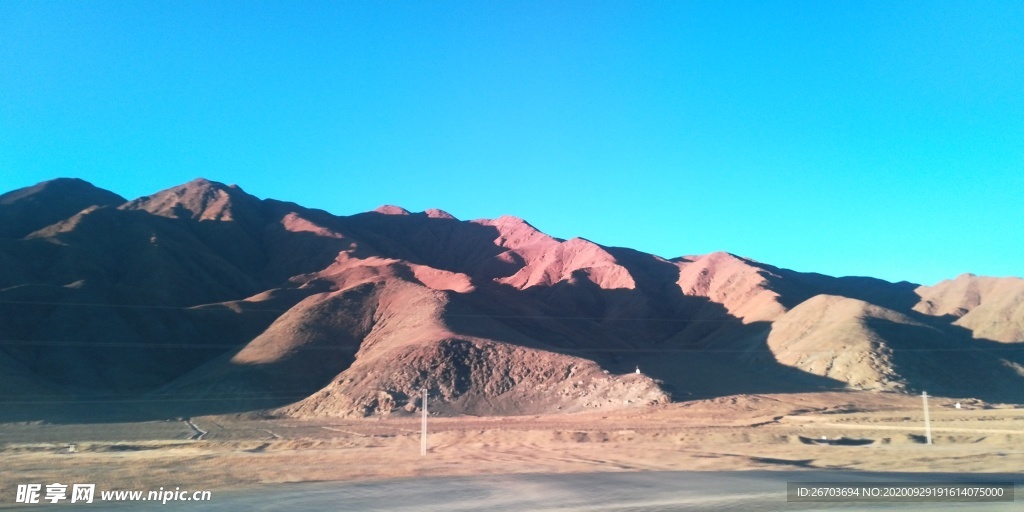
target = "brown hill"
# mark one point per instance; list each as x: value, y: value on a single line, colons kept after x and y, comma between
x: 377, y: 334
x: 990, y: 307
x: 136, y: 298
x: 203, y: 298
x: 25, y: 210
x: 871, y: 347
x: 743, y: 288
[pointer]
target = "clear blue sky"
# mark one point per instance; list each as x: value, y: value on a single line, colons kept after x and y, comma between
x: 849, y: 138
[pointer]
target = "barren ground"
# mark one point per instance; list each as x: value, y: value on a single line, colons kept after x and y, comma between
x: 865, y: 431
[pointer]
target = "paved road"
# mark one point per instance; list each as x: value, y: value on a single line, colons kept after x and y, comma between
x: 600, y: 492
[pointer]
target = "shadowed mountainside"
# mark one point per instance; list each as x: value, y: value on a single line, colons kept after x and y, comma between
x: 202, y: 298
x: 25, y: 210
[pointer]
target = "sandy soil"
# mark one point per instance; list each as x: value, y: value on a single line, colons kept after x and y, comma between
x: 731, y: 433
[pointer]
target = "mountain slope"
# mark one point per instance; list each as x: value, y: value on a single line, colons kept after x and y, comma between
x: 990, y: 307
x: 871, y: 347
x: 28, y: 209
x: 212, y: 300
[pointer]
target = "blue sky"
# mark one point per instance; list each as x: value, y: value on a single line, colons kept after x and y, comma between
x: 848, y: 138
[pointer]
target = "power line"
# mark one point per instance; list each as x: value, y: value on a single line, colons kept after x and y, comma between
x: 218, y: 307
x: 145, y: 400
x: 655, y: 350
x: 212, y: 307
x: 88, y: 344
x: 350, y: 348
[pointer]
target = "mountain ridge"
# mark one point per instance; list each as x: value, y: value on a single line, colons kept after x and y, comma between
x: 205, y: 296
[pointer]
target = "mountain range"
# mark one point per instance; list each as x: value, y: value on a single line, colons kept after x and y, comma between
x: 205, y: 299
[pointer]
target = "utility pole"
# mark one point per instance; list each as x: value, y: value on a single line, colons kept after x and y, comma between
x: 423, y: 425
x: 927, y: 421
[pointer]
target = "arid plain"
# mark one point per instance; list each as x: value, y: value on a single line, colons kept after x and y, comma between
x: 861, y: 431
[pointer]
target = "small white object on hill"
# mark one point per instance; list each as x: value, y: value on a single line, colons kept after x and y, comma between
x: 638, y: 370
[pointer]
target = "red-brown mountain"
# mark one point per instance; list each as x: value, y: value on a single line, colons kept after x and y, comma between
x: 203, y: 298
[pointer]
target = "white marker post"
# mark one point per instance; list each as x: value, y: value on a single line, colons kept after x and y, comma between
x: 927, y: 421
x: 423, y: 426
